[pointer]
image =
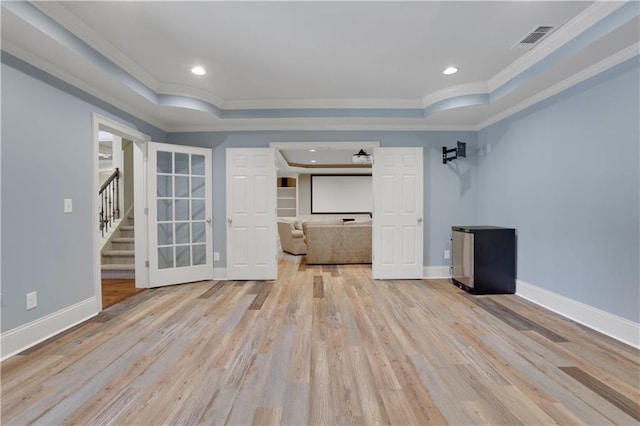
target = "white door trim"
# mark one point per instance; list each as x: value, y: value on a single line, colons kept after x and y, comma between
x: 103, y: 123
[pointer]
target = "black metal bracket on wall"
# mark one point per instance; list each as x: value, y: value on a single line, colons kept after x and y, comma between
x: 460, y: 151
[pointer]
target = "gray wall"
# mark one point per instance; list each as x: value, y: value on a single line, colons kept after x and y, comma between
x: 449, y: 191
x: 304, y: 194
x: 565, y: 175
x: 47, y: 155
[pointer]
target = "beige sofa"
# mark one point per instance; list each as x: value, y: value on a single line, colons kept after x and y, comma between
x: 291, y: 240
x: 338, y: 243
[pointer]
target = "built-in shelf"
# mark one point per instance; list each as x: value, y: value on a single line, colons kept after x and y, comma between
x: 287, y: 197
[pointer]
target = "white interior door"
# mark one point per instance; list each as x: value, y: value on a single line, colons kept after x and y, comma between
x: 398, y: 231
x: 251, y: 214
x: 179, y: 202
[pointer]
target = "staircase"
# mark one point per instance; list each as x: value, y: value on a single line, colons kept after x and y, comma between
x: 118, y: 255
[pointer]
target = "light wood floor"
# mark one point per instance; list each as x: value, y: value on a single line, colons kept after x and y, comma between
x: 114, y: 291
x: 323, y: 345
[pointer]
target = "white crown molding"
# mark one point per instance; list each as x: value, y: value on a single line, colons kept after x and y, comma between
x: 479, y: 88
x: 585, y: 20
x: 47, y: 67
x: 319, y: 124
x: 322, y: 104
x: 189, y: 91
x: 59, y: 13
x: 71, y: 22
x: 612, y: 325
x: 592, y: 71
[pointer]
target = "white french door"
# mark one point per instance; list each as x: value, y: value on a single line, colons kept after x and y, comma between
x: 398, y: 231
x: 251, y: 214
x: 179, y: 202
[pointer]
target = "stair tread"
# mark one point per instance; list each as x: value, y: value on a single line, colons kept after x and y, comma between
x: 123, y: 240
x: 118, y: 253
x: 127, y: 227
x: 119, y: 267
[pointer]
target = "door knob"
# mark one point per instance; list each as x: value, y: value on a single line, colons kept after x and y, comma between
x: 208, y: 220
x: 229, y: 221
x: 419, y: 219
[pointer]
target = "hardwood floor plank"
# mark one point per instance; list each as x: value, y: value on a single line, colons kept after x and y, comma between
x: 630, y: 407
x: 318, y: 287
x: 267, y: 416
x: 261, y: 294
x: 250, y: 394
x: 117, y: 290
x: 296, y: 404
x: 215, y: 287
x: 323, y: 345
x: 516, y: 320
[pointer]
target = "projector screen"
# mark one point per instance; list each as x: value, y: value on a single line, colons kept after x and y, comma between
x: 341, y: 194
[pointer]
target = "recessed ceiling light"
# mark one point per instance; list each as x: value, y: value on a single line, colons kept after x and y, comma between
x: 450, y: 70
x: 313, y: 161
x: 312, y: 150
x: 198, y: 70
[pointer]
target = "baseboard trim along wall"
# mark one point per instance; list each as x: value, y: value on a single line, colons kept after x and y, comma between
x: 219, y: 273
x: 23, y: 337
x: 433, y: 272
x: 612, y: 325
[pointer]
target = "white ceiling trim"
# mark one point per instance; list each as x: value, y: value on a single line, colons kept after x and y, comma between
x: 346, y: 145
x: 49, y: 68
x: 585, y: 20
x: 56, y: 11
x: 479, y: 88
x: 583, y: 75
x: 317, y: 124
x: 192, y: 96
x: 322, y: 104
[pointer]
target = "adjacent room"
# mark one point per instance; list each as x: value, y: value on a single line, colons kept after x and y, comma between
x: 300, y: 212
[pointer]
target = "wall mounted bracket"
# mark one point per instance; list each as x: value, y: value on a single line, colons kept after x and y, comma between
x: 460, y: 151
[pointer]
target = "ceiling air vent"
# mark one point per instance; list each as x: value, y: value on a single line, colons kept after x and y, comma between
x: 533, y: 37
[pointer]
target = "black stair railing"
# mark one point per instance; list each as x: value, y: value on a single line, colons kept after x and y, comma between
x: 109, y: 195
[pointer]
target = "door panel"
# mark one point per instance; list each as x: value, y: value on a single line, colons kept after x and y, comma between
x: 180, y: 235
x: 397, y: 226
x: 251, y: 214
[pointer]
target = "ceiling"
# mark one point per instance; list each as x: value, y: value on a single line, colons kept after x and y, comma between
x: 320, y: 65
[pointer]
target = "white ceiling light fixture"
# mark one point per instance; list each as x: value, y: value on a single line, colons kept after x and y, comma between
x: 450, y: 70
x: 313, y: 161
x: 198, y: 70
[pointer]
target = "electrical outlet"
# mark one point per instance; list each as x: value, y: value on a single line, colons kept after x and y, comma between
x: 32, y: 300
x: 446, y: 254
x: 216, y: 255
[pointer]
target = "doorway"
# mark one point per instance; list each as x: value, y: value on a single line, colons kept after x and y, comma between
x: 398, y: 232
x: 118, y: 146
x: 116, y: 221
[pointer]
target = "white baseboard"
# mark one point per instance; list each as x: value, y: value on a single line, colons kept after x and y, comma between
x: 23, y: 337
x: 432, y: 272
x: 612, y: 325
x: 219, y: 273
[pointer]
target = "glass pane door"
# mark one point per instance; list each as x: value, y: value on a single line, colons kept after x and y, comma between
x: 180, y: 234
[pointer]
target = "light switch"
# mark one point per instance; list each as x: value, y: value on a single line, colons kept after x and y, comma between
x: 68, y: 205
